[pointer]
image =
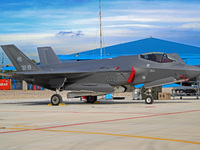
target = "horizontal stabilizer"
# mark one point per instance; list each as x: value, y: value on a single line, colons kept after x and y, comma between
x: 5, y: 75
x: 47, y: 56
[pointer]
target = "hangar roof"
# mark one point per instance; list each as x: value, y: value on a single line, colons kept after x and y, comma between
x: 137, y: 47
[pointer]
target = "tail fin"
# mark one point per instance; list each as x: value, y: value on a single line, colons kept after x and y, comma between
x: 47, y: 56
x: 21, y: 62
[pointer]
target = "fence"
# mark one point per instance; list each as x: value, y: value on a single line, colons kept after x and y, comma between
x: 17, y: 85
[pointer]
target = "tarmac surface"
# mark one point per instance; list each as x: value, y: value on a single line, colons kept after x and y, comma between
x: 29, y: 124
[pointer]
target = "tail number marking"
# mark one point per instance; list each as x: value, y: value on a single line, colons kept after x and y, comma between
x: 26, y: 67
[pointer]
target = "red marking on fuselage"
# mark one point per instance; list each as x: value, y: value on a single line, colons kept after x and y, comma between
x: 117, y: 68
x: 132, y: 76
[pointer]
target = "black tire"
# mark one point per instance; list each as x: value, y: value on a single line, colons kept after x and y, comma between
x: 91, y: 99
x: 149, y: 100
x: 56, y: 99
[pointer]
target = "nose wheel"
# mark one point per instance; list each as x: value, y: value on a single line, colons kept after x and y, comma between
x: 149, y: 99
x: 56, y: 99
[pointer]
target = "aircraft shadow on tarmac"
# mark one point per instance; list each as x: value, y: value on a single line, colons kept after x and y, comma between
x: 101, y: 102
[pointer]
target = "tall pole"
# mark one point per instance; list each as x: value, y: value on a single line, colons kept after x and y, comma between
x: 2, y: 63
x: 100, y: 28
x: 2, y: 58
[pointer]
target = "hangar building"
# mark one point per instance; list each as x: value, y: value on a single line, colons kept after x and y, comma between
x: 190, y: 54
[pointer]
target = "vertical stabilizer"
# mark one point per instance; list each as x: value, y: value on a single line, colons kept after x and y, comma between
x: 20, y: 61
x: 47, y: 56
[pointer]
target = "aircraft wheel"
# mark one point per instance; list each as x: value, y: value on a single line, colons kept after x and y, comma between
x: 91, y: 99
x: 149, y: 100
x: 56, y: 99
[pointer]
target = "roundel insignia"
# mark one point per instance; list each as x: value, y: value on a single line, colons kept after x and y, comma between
x: 19, y: 59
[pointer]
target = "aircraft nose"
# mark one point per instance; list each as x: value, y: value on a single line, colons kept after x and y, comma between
x: 192, y: 71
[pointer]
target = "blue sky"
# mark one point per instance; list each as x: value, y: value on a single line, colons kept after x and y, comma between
x: 71, y: 26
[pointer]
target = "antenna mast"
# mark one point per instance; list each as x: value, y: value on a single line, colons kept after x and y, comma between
x: 100, y: 27
x: 2, y: 58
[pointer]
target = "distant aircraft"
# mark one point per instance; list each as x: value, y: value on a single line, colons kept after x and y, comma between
x: 98, y: 77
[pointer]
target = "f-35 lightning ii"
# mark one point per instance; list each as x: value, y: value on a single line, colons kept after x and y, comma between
x: 98, y: 77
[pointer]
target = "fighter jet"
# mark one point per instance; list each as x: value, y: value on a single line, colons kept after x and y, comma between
x: 98, y: 77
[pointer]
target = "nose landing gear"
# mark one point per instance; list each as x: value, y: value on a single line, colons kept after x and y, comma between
x: 149, y: 99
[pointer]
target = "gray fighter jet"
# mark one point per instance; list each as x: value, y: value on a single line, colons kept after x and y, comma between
x: 98, y: 77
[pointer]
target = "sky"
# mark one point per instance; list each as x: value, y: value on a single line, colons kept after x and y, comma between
x: 71, y: 26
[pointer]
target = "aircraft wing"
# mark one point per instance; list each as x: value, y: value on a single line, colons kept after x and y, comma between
x: 160, y: 82
x: 163, y: 81
x: 197, y: 66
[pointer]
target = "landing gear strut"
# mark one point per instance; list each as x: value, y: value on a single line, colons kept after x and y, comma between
x: 56, y: 99
x: 91, y: 99
x: 149, y: 98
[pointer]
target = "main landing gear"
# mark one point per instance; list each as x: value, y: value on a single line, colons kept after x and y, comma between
x: 56, y: 99
x: 91, y: 99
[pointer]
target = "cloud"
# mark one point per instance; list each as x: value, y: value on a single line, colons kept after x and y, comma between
x: 70, y: 26
x: 128, y: 18
x: 79, y: 33
x: 154, y: 19
x: 191, y: 26
x: 62, y: 33
x: 70, y: 33
x: 23, y: 36
x: 133, y: 25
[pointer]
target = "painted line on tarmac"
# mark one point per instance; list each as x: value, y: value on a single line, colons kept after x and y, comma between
x: 121, y: 119
x: 76, y: 112
x: 105, y: 121
x: 122, y: 135
x: 110, y: 134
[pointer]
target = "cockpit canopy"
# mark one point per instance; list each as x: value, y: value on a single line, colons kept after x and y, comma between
x: 157, y: 57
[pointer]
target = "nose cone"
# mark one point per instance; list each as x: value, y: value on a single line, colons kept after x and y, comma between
x: 192, y: 71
